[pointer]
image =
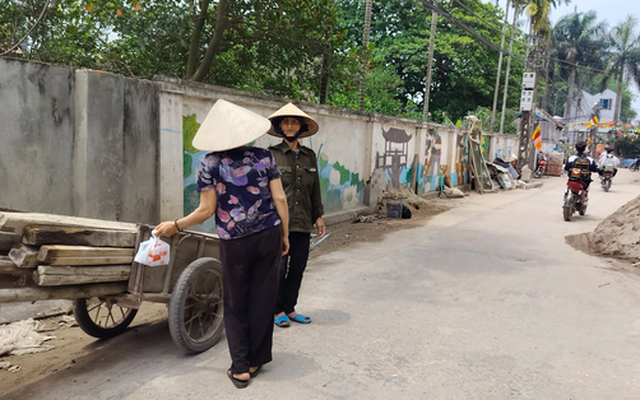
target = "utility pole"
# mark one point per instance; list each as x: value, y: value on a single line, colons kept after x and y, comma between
x: 506, y: 79
x: 365, y: 52
x: 497, y: 89
x: 528, y: 102
x: 427, y: 87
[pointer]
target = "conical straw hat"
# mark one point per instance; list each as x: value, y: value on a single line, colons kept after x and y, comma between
x: 290, y: 110
x: 228, y: 126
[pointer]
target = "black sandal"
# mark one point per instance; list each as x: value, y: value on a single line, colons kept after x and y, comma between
x: 238, y: 383
x: 256, y: 372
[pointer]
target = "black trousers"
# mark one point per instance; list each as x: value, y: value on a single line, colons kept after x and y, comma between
x: 250, y: 271
x: 291, y: 271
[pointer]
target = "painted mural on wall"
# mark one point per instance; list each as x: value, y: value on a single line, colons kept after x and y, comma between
x: 432, y: 159
x: 459, y: 174
x: 340, y: 188
x: 191, y: 158
x: 395, y: 160
x: 486, y: 147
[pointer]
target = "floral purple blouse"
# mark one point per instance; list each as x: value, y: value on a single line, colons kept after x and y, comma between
x: 240, y: 178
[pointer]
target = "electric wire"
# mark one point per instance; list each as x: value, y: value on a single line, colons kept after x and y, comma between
x: 15, y: 46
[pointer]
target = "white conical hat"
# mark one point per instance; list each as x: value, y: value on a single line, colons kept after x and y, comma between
x: 291, y: 110
x: 228, y: 126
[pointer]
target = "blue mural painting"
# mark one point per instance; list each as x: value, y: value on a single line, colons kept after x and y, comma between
x: 432, y: 157
x: 340, y: 188
x: 394, y: 160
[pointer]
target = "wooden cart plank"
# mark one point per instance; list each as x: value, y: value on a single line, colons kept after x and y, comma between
x: 48, y: 253
x: 86, y: 261
x: 65, y: 292
x: 63, y: 235
x: 24, y: 256
x: 61, y: 276
x: 8, y: 267
x: 8, y: 241
x: 17, y: 222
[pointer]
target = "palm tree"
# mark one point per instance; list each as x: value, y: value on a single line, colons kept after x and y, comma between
x: 625, y: 57
x: 579, y: 42
x: 538, y: 12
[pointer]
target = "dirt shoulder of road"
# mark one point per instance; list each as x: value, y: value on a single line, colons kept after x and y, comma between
x: 616, y: 238
x: 73, y: 348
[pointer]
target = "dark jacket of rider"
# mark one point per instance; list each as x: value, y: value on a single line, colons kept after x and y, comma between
x: 593, y: 167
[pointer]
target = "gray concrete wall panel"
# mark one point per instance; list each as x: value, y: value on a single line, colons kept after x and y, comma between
x: 140, y: 179
x: 36, y: 136
x: 99, y: 189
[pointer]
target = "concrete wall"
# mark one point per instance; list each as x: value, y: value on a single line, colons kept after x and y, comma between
x: 351, y: 147
x: 37, y: 114
x: 78, y: 142
x: 504, y: 146
x: 95, y: 144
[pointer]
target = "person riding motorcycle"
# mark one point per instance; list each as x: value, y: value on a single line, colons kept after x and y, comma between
x: 608, y: 162
x: 580, y: 166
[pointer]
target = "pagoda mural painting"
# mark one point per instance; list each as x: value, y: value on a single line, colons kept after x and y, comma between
x: 394, y: 160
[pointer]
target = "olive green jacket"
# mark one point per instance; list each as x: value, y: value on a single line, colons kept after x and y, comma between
x: 301, y: 183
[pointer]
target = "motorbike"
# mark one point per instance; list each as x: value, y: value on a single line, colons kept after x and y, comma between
x: 575, y: 199
x: 541, y: 168
x: 634, y: 166
x: 606, y: 179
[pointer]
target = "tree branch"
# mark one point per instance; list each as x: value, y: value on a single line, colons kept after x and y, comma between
x: 214, y: 44
x: 194, y: 46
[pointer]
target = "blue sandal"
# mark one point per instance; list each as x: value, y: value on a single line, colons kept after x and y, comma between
x: 301, y: 319
x: 283, y: 321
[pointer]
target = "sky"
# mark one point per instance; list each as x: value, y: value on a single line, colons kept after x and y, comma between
x: 613, y: 11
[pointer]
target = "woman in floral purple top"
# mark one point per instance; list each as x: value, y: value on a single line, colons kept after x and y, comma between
x: 241, y: 186
x: 240, y: 178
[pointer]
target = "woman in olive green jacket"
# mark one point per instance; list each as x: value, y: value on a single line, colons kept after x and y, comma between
x: 301, y: 182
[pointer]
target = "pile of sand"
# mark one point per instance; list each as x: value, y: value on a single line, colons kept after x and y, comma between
x: 618, y: 236
x: 416, y: 203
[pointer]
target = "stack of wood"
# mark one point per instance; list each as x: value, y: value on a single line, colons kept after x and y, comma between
x: 76, y: 255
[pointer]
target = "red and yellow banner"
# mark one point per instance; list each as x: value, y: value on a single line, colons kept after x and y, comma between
x: 537, y: 138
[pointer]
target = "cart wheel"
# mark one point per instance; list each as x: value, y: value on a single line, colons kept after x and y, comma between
x: 102, y: 318
x: 195, y: 309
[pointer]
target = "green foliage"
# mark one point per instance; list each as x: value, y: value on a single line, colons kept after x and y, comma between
x: 628, y: 147
x: 189, y: 129
x: 463, y: 73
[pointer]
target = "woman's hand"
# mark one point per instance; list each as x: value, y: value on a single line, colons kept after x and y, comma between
x: 322, y: 229
x: 285, y: 245
x: 166, y: 228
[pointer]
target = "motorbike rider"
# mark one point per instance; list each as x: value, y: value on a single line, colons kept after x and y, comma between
x: 603, y: 155
x: 580, y: 166
x: 608, y: 161
x: 636, y: 161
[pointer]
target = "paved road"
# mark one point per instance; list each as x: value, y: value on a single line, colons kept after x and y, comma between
x: 485, y: 301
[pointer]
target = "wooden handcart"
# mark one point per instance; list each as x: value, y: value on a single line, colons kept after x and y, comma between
x: 45, y: 256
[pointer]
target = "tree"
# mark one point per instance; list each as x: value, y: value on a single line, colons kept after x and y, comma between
x: 268, y: 46
x: 579, y: 42
x: 624, y: 57
x: 464, y: 68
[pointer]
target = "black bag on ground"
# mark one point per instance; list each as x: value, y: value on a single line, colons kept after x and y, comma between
x: 406, y: 212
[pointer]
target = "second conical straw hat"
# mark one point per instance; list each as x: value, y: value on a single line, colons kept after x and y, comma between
x: 290, y: 110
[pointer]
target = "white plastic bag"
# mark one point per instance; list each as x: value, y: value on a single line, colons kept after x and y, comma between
x: 153, y: 252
